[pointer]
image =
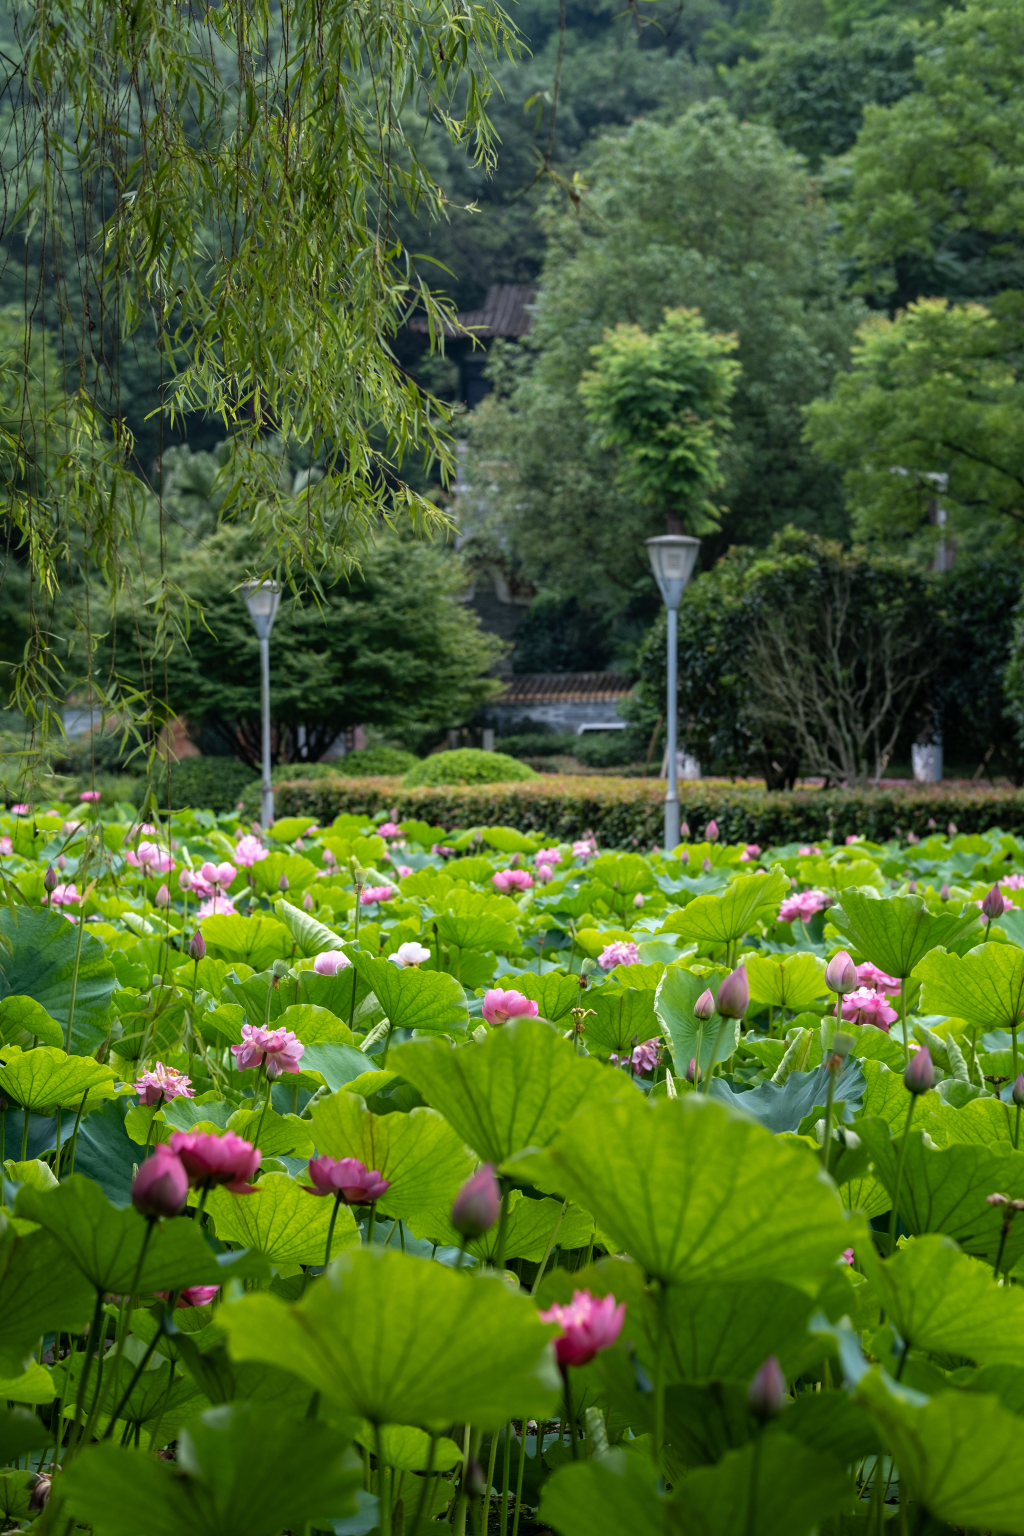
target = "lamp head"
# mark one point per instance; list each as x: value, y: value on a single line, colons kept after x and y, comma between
x: 262, y: 599
x: 673, y: 557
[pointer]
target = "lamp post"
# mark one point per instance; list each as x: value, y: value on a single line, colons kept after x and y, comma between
x: 261, y: 599
x: 673, y: 557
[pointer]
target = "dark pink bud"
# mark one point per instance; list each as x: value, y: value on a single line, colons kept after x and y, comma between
x: 992, y: 906
x: 693, y: 1072
x: 1017, y: 1091
x: 920, y: 1074
x: 704, y: 1007
x: 944, y: 893
x: 684, y: 831
x: 282, y: 884
x: 767, y: 1391
x: 160, y: 1188
x: 841, y: 973
x: 711, y: 832
x: 197, y: 946
x: 706, y: 865
x: 50, y: 878
x: 477, y: 1205
x: 734, y: 994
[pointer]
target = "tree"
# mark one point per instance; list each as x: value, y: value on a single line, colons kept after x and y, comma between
x: 663, y: 402
x: 392, y: 647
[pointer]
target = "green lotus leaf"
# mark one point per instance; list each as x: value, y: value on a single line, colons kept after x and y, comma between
x: 940, y: 1300
x: 985, y: 986
x: 20, y: 1432
x: 554, y: 994
x: 38, y: 1294
x: 516, y: 1088
x: 299, y: 873
x: 748, y: 900
x: 617, y: 1496
x: 34, y: 1385
x: 22, y: 1018
x: 287, y: 828
x: 335, y: 1065
x: 694, y: 1039
x: 157, y: 1405
x: 786, y: 981
x: 960, y: 1453
x: 41, y: 964
x: 622, y: 1019
x: 48, y: 1079
x: 886, y: 1096
x: 419, y: 1154
x: 311, y: 936
x: 314, y: 1025
x: 474, y: 921
x: 275, y: 1135
x: 693, y: 1192
x: 530, y: 1227
x: 414, y: 999
x: 396, y: 1340
x: 778, y: 1488
x: 896, y: 932
x: 407, y: 1449
x: 257, y: 940
x: 282, y: 1221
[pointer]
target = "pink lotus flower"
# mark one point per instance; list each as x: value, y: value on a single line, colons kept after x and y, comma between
x: 990, y: 904
x: 374, y: 893
x: 160, y: 1185
x: 90, y: 794
x: 276, y: 1050
x: 20, y: 810
x: 711, y: 832
x: 547, y: 856
x: 217, y: 906
x: 582, y: 850
x: 195, y: 1295
x: 866, y: 1006
x: 410, y: 953
x: 512, y: 880
x: 219, y: 876
x: 388, y: 829
x: 151, y: 858
x: 249, y: 851
x: 403, y: 870
x: 847, y: 1255
x: 802, y: 905
x: 63, y: 895
x: 347, y: 1179
x: 1012, y: 882
x: 545, y: 873
x: 162, y: 1085
x: 498, y: 1007
x: 807, y: 851
x: 841, y: 973
x: 330, y: 961
x: 619, y: 952
x: 588, y: 1325
x: 440, y: 848
x: 870, y: 976
x: 854, y: 837
x: 217, y: 1160
x: 329, y: 859
x: 751, y: 851
x: 477, y: 1205
x: 644, y: 1057
x: 6, y: 845
x: 162, y: 897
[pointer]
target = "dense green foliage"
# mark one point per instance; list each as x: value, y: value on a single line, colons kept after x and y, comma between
x: 467, y: 765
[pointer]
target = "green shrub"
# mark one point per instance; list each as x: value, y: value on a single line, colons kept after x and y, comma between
x: 373, y: 761
x: 536, y: 744
x: 467, y: 766
x: 205, y: 783
x: 611, y: 749
x: 628, y: 813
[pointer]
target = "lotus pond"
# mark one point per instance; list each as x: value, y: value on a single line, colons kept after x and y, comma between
x: 383, y: 1177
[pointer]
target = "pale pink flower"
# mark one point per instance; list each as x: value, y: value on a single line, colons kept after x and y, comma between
x: 847, y: 1255
x: 802, y: 905
x: 644, y: 1057
x: 217, y: 906
x: 870, y: 976
x: 6, y: 845
x: 582, y: 849
x: 276, y: 1050
x: 500, y: 1006
x: 854, y: 837
x: 330, y: 961
x: 638, y: 899
x: 376, y: 893
x: 410, y: 953
x: 751, y: 851
x: 219, y: 876
x: 388, y: 829
x: 151, y: 858
x: 90, y: 794
x: 807, y: 850
x: 1012, y: 882
x: 20, y: 810
x: 866, y: 1006
x: 512, y: 880
x: 249, y: 851
x: 71, y: 826
x: 545, y: 873
x: 588, y: 1326
x: 329, y: 859
x: 547, y: 856
x: 440, y: 848
x: 63, y: 895
x: 210, y: 1159
x: 619, y: 952
x: 403, y: 870
x: 162, y: 1085
x: 347, y: 1179
x: 162, y: 897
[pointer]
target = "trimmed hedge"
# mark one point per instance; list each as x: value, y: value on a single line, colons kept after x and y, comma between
x: 627, y: 813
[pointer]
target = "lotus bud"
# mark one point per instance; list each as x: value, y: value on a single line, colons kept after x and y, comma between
x: 711, y: 832
x: 951, y: 830
x: 160, y: 1187
x: 693, y: 1072
x: 992, y: 906
x: 944, y: 892
x: 477, y: 1205
x: 912, y: 888
x: 280, y: 969
x: 684, y: 856
x: 734, y: 994
x: 62, y: 862
x: 50, y: 878
x: 841, y: 973
x: 185, y: 881
x: 706, y: 865
x: 282, y: 884
x: 704, y: 1007
x: 767, y: 1391
x: 197, y: 946
x: 1017, y: 1091
x: 329, y: 858
x: 920, y: 1074
x: 308, y: 904
x: 163, y: 897
x: 684, y: 831
x: 638, y: 899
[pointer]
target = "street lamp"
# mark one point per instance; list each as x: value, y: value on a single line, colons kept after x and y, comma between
x: 261, y: 599
x: 673, y: 557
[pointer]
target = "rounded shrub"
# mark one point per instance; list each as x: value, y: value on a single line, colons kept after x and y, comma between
x: 204, y: 783
x: 368, y: 762
x: 467, y: 765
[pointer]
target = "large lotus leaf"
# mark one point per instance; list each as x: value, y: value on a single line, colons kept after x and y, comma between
x: 960, y: 1453
x: 786, y: 981
x: 720, y: 919
x: 282, y: 1221
x: 940, y: 1300
x: 34, y: 1385
x: 983, y: 1122
x: 509, y: 839
x: 332, y: 992
x: 415, y: 999
x: 313, y: 1024
x: 554, y: 994
x: 985, y: 986
x: 39, y: 1294
x: 257, y: 940
x: 104, y: 1151
x: 694, y: 1192
x: 48, y: 1079
x: 886, y: 1096
x: 516, y: 1088
x: 694, y: 1039
x: 419, y: 1154
x: 623, y: 873
x: 896, y: 932
x: 782, y: 1106
x: 943, y: 1189
x: 617, y: 1495
x: 22, y: 1019
x: 395, y: 1340
x: 154, y: 1401
x: 530, y: 1227
x: 474, y: 921
x: 311, y: 936
x: 105, y: 1243
x: 622, y: 1019
x: 41, y: 964
x: 21, y: 1431
x: 275, y: 1135
x: 337, y: 1065
x: 871, y: 1044
x: 217, y: 1486
x: 299, y: 873
x: 778, y: 1488
x: 407, y: 1449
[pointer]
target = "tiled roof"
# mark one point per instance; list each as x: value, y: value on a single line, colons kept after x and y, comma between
x: 563, y: 688
x: 504, y: 314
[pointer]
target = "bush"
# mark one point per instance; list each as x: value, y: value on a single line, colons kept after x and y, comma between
x: 628, y: 813
x: 613, y: 749
x: 205, y: 783
x: 539, y: 744
x: 467, y: 765
x: 367, y: 762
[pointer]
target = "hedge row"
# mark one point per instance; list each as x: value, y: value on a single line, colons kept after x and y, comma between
x: 625, y: 813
